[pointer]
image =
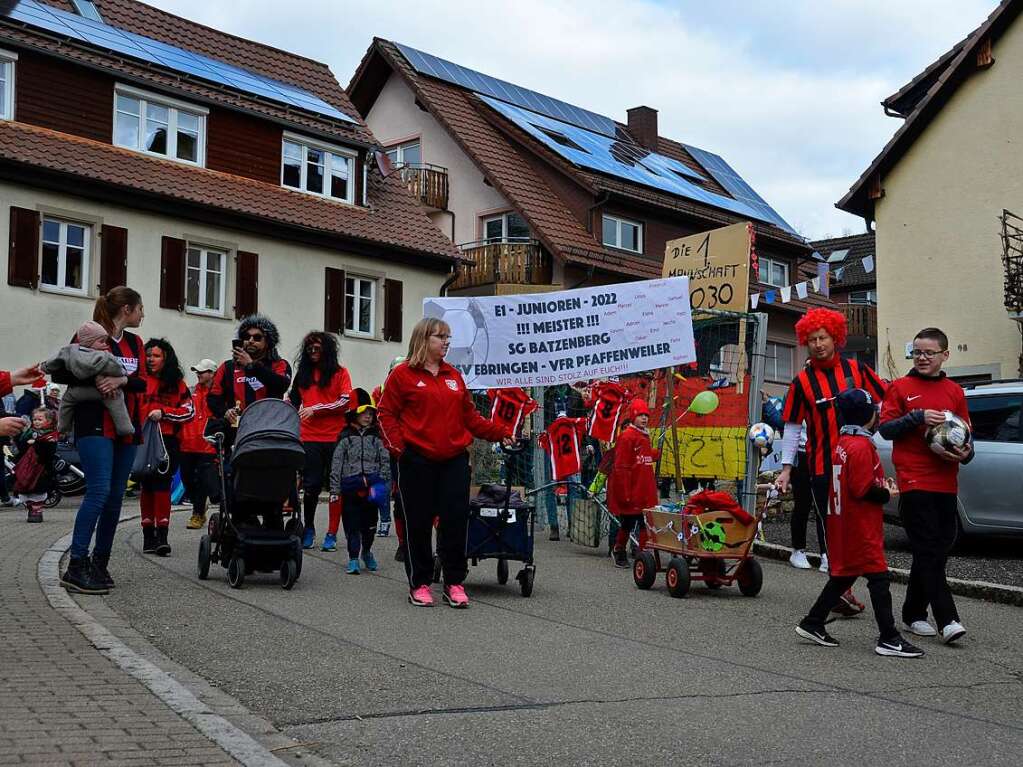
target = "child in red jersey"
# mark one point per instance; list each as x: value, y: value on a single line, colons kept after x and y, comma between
x: 855, y: 528
x: 929, y: 481
x: 632, y: 486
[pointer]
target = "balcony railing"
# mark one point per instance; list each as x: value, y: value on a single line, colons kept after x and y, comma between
x: 429, y: 184
x: 861, y: 319
x: 516, y: 261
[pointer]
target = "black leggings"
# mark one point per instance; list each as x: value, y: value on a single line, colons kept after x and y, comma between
x: 199, y: 475
x: 803, y: 506
x: 359, y: 519
x: 318, y: 458
x: 880, y: 600
x: 428, y: 489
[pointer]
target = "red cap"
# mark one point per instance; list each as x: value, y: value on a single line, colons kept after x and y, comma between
x: 638, y: 407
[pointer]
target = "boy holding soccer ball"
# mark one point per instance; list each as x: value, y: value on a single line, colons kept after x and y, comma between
x: 928, y: 478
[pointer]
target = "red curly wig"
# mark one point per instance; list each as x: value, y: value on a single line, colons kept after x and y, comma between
x: 815, y: 319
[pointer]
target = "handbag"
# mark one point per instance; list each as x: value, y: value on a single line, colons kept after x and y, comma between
x: 152, y: 457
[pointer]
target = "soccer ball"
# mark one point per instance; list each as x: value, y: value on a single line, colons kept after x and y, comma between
x: 761, y: 434
x: 952, y: 433
x: 470, y: 341
x: 712, y: 536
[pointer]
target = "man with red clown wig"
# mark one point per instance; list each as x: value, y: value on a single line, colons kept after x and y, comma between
x: 811, y: 398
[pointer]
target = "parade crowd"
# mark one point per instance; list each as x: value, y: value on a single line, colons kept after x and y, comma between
x: 408, y: 441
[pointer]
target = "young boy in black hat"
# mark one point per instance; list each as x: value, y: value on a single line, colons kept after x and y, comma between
x: 855, y: 528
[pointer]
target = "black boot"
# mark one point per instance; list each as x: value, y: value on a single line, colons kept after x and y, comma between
x: 99, y: 569
x: 148, y: 539
x: 163, y: 548
x: 79, y: 578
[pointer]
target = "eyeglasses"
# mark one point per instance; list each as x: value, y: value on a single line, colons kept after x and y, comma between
x: 927, y: 354
x: 253, y: 337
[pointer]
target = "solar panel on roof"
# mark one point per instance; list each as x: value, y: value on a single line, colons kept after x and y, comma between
x: 434, y: 66
x: 143, y: 48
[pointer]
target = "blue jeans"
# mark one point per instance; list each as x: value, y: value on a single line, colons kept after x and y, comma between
x: 107, y: 465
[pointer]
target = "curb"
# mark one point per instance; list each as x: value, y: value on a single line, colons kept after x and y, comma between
x: 990, y: 592
x: 175, y: 695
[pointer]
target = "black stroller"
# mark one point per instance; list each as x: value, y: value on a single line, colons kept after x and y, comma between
x: 264, y: 463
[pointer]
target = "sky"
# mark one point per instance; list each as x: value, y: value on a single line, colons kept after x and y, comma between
x: 787, y: 92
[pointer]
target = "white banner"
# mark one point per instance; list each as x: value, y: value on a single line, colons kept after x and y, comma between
x: 543, y: 339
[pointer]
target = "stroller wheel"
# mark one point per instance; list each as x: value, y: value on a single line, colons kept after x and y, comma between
x: 289, y: 574
x: 293, y: 527
x: 502, y: 571
x: 213, y: 526
x: 677, y: 577
x: 236, y: 572
x: 644, y: 570
x: 204, y: 558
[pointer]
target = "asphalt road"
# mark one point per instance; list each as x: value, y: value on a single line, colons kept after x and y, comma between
x: 589, y: 670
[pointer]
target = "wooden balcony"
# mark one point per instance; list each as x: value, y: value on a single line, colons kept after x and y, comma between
x: 428, y: 183
x: 516, y: 261
x: 861, y: 319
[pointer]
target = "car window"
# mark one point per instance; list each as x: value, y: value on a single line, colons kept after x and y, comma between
x: 996, y: 418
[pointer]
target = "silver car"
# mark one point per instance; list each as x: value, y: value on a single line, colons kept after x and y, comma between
x: 991, y: 485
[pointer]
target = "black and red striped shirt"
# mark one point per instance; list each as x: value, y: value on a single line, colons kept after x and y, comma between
x: 233, y: 385
x: 811, y: 398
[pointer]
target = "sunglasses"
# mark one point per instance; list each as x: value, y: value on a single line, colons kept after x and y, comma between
x: 253, y: 337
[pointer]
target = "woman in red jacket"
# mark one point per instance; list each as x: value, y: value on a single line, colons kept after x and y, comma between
x: 169, y: 402
x: 632, y: 486
x: 320, y: 392
x: 428, y: 421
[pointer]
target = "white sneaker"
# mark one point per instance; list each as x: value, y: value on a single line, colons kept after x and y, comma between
x: 952, y: 632
x: 921, y: 629
x: 824, y: 563
x: 798, y: 560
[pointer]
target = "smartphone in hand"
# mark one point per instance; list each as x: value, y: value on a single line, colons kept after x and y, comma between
x: 237, y: 343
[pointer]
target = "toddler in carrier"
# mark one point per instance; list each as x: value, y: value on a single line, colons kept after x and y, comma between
x: 89, y: 356
x: 361, y: 475
x: 34, y: 475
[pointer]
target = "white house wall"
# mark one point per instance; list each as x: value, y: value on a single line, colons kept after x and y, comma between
x: 395, y: 117
x: 34, y: 323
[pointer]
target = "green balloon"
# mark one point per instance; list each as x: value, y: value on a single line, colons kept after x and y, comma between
x: 703, y: 403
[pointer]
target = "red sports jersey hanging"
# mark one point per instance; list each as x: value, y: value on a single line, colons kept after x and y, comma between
x: 511, y: 406
x: 561, y: 442
x: 608, y: 400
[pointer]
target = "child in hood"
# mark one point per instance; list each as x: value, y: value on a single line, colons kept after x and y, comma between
x: 632, y: 486
x: 361, y: 475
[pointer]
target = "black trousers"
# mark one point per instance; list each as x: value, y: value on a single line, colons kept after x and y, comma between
x: 929, y: 520
x: 427, y: 489
x: 199, y: 475
x: 318, y: 458
x: 880, y: 600
x: 359, y: 519
x: 819, y: 487
x: 803, y: 505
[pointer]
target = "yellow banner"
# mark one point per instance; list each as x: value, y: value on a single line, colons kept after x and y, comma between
x: 717, y: 452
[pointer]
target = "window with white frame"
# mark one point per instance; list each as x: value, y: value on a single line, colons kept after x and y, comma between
x: 7, y: 60
x: 360, y: 306
x: 318, y: 169
x: 863, y: 297
x: 65, y: 256
x: 205, y: 281
x: 774, y: 273
x: 622, y: 234
x: 778, y: 362
x: 159, y: 126
x: 506, y: 227
x: 409, y: 153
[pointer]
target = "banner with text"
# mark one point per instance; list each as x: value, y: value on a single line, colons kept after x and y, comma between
x: 571, y: 335
x: 717, y: 264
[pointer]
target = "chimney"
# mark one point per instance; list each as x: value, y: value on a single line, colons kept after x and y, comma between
x: 643, y: 126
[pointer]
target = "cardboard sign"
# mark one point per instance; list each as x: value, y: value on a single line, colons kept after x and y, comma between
x: 704, y: 451
x: 570, y: 335
x: 717, y: 265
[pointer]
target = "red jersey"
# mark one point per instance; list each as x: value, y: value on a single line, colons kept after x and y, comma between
x: 632, y: 485
x: 917, y: 467
x: 233, y: 385
x: 811, y: 398
x: 329, y: 405
x: 432, y: 414
x: 607, y: 399
x: 855, y: 526
x: 191, y: 434
x: 175, y: 404
x: 561, y: 443
x: 510, y: 408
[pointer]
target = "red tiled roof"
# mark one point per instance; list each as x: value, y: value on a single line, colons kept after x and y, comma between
x: 143, y: 19
x: 393, y: 219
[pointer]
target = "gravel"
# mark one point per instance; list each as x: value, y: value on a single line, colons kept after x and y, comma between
x: 997, y: 560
